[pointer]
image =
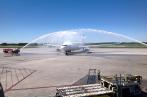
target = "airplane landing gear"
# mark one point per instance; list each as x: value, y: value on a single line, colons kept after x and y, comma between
x: 67, y: 53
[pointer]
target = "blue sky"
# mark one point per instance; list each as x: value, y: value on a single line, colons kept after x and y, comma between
x: 25, y: 20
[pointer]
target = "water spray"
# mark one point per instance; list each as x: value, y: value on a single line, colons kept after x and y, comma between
x: 77, y: 35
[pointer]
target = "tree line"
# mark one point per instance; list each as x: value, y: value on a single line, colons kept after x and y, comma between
x: 13, y: 44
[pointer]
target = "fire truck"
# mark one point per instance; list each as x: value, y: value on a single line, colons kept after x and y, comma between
x: 11, y: 52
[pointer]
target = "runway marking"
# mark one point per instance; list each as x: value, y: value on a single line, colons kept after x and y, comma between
x: 10, y: 77
x: 40, y: 87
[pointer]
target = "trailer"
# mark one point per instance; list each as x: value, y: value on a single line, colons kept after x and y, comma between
x: 83, y: 91
x: 104, y: 86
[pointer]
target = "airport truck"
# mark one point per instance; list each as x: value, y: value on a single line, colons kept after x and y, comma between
x: 11, y: 52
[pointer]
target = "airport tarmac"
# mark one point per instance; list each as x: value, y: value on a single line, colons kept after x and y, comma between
x: 55, y: 69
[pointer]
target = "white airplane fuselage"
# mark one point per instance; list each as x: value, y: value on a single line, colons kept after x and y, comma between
x: 69, y: 47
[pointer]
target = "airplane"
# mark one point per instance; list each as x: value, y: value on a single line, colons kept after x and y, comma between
x: 69, y: 48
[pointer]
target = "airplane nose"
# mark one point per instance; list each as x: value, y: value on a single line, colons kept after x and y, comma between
x: 62, y: 47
